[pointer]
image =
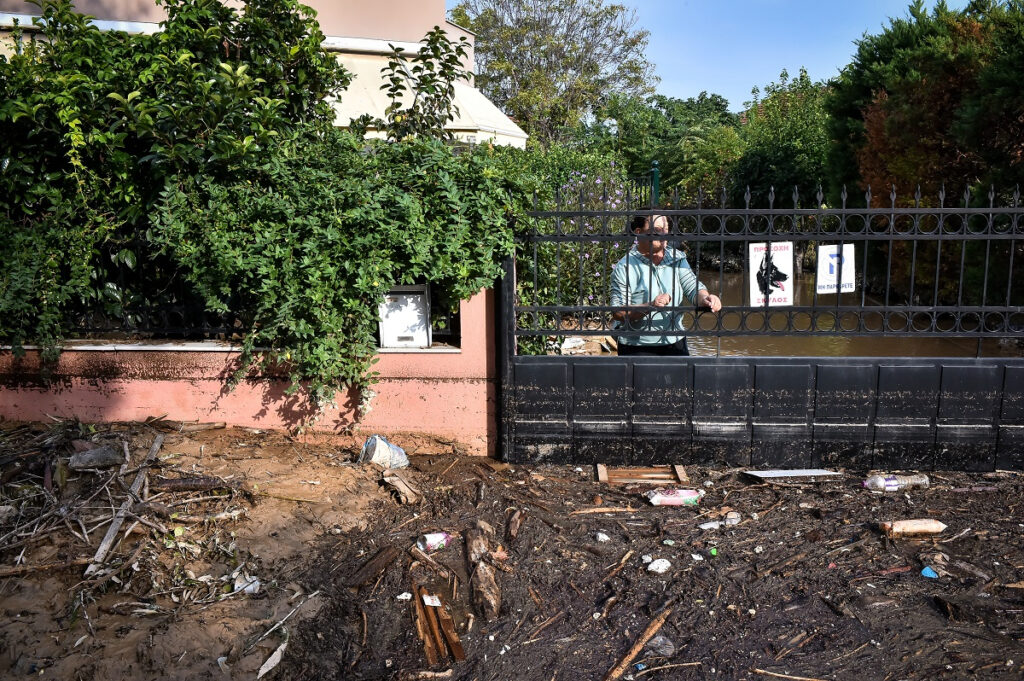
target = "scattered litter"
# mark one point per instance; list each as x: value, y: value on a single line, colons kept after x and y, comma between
x: 246, y: 584
x: 659, y: 566
x: 273, y: 660
x: 733, y: 518
x: 669, y: 542
x: 674, y: 497
x: 572, y: 345
x: 896, y: 483
x: 222, y: 662
x: 378, y: 450
x: 404, y: 596
x: 711, y: 525
x: 929, y: 573
x: 805, y: 474
x: 697, y: 558
x: 432, y: 601
x: 661, y: 646
x: 602, y: 537
x: 647, y: 558
x: 759, y: 549
x: 911, y: 528
x: 407, y: 494
x: 433, y: 541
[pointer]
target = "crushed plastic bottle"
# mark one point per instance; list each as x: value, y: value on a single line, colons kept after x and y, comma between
x: 895, y: 483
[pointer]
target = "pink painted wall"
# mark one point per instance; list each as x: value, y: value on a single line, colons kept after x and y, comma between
x: 452, y: 396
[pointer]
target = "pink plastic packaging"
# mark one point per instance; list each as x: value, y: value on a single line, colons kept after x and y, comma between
x: 674, y: 497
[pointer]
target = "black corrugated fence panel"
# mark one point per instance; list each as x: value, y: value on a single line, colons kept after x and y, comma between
x: 888, y: 413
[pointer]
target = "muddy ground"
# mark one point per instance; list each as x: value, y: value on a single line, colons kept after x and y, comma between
x: 805, y: 586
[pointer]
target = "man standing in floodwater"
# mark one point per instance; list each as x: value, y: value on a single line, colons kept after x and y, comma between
x: 651, y: 276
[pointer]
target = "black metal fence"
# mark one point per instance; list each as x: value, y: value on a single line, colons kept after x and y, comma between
x: 922, y: 266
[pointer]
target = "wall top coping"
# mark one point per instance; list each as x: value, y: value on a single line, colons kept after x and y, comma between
x: 205, y: 346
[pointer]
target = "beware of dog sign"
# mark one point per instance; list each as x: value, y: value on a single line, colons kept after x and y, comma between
x: 829, y: 266
x: 771, y: 274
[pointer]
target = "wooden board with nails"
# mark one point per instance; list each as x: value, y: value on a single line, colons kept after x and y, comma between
x: 649, y: 475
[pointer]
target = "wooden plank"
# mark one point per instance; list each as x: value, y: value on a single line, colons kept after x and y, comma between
x: 673, y: 474
x: 448, y: 628
x: 433, y: 626
x: 429, y: 649
x: 374, y: 566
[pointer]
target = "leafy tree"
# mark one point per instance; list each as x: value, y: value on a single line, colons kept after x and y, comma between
x: 548, y: 64
x: 674, y: 132
x: 933, y: 98
x: 786, y: 140
x: 138, y: 172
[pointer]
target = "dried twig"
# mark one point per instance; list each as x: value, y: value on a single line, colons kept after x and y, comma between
x: 652, y: 629
x: 111, y: 536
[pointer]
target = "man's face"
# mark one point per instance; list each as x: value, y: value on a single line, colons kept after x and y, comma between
x: 660, y: 226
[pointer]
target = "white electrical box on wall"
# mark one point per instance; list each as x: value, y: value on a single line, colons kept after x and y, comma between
x: 405, y: 318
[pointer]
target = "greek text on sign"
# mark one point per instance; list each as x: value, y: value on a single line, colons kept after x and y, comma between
x: 771, y: 274
x: 829, y: 265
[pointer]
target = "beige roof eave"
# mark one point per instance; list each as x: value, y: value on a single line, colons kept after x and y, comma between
x: 478, y: 116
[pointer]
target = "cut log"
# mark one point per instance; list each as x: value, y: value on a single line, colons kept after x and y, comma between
x: 373, y: 567
x: 486, y: 594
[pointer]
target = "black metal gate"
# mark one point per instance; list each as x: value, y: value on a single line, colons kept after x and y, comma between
x: 922, y: 271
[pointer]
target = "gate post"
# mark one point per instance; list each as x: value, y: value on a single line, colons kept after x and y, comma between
x: 506, y: 322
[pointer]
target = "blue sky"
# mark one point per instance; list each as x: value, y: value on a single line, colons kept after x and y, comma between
x: 729, y: 46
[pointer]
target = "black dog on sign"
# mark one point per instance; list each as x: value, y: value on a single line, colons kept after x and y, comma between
x: 770, y: 277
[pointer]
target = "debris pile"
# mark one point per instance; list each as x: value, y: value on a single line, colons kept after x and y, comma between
x: 128, y: 515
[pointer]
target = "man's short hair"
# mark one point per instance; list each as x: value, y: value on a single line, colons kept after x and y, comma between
x: 638, y: 223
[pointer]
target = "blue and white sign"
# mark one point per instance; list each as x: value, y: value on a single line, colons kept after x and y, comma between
x: 829, y: 265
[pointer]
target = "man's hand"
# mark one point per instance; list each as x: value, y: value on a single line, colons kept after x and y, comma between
x: 708, y: 300
x: 662, y: 300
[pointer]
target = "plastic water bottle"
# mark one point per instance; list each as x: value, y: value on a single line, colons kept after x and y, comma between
x: 895, y: 483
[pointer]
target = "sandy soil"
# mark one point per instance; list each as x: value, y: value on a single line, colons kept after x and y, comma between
x: 804, y: 586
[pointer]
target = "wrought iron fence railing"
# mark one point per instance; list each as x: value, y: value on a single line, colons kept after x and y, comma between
x: 912, y: 267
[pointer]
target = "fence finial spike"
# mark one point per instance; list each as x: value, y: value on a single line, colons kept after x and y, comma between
x: 867, y: 197
x: 843, y: 194
x: 967, y: 196
x: 796, y: 196
x: 771, y: 196
x: 1016, y: 195
x: 991, y: 195
x: 746, y: 197
x: 917, y: 196
x: 820, y: 196
x: 892, y: 195
x: 942, y: 194
x: 725, y: 196
x: 700, y: 196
